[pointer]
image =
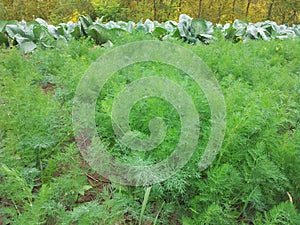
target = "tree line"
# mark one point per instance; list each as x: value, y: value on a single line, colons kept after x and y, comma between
x: 217, y: 11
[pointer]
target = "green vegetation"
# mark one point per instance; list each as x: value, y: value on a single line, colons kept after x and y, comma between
x: 217, y: 11
x: 28, y: 35
x: 254, y: 179
x: 54, y: 11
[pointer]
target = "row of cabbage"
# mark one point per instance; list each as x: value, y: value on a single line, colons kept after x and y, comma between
x: 27, y: 36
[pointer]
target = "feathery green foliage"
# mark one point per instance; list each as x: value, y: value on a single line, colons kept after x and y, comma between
x: 254, y: 179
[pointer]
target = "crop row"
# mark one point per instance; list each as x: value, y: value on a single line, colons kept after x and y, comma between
x: 27, y: 36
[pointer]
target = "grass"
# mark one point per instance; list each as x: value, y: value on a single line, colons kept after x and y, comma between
x: 145, y: 201
x: 254, y: 179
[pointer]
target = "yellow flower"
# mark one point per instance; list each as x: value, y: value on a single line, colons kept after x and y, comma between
x: 74, y: 17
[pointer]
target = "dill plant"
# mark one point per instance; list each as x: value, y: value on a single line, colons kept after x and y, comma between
x: 254, y: 179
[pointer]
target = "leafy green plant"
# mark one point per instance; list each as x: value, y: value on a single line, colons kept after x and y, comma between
x: 38, y: 32
x: 254, y: 179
